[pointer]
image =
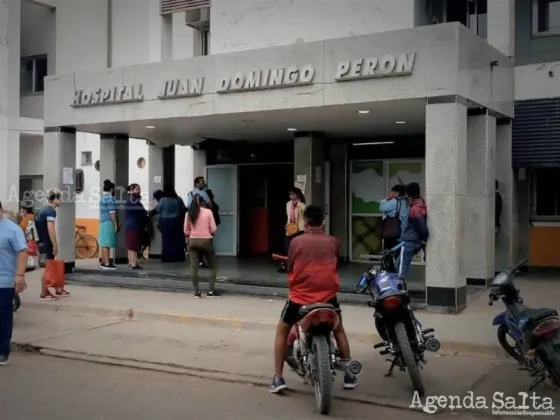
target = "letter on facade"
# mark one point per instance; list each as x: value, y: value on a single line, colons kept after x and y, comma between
x: 253, y: 80
x: 342, y: 70
x: 276, y: 77
x: 405, y: 63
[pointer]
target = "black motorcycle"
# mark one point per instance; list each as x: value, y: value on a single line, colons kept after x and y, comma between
x: 402, y: 334
x: 535, y: 332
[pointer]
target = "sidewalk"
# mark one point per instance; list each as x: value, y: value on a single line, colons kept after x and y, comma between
x: 230, y: 339
x: 470, y: 332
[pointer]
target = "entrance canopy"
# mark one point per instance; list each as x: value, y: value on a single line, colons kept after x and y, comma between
x: 311, y: 86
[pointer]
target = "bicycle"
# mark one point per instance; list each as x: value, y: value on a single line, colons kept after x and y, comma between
x: 86, y: 244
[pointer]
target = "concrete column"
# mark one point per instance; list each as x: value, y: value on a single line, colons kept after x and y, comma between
x: 10, y: 58
x: 155, y: 182
x: 160, y: 33
x: 59, y: 162
x: 189, y: 163
x: 446, y: 187
x: 501, y: 25
x: 479, y: 250
x: 339, y: 212
x: 113, y: 165
x: 506, y: 239
x: 309, y: 165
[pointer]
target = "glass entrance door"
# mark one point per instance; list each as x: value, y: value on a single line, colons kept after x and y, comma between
x: 222, y: 180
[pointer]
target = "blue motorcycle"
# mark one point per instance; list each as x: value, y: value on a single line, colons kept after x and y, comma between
x: 535, y: 332
x: 402, y: 334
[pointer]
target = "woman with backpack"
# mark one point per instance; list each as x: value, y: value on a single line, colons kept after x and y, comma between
x: 395, y: 216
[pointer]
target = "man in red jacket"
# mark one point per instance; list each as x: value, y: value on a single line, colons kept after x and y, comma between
x: 312, y: 278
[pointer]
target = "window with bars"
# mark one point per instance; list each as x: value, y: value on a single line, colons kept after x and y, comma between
x: 176, y: 6
x: 546, y: 194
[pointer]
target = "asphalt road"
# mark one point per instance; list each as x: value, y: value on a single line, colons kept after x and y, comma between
x: 36, y: 387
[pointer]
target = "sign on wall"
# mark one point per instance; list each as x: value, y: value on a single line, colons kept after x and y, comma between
x: 373, y: 67
x: 108, y: 96
x: 267, y: 79
x: 181, y: 88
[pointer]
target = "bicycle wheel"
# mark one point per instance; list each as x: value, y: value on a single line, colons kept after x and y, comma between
x: 87, y: 246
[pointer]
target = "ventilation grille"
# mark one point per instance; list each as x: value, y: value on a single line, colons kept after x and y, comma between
x: 175, y: 6
x: 536, y: 133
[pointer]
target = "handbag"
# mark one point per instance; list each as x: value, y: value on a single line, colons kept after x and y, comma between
x: 391, y: 226
x: 54, y: 274
x: 291, y: 229
x: 32, y: 248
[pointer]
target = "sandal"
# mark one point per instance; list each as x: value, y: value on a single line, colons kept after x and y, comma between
x: 48, y: 296
x: 62, y: 293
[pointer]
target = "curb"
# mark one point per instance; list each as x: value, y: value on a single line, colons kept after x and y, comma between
x: 450, y: 347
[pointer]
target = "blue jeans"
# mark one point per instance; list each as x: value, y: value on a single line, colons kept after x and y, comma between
x: 408, y: 252
x: 6, y: 320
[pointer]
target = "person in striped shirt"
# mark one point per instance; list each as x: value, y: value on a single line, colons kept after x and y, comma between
x: 312, y: 278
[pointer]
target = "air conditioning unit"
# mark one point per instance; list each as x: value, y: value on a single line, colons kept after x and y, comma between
x: 198, y: 18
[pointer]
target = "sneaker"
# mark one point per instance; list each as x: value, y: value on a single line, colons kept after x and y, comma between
x: 4, y: 360
x: 108, y: 267
x: 197, y: 295
x: 277, y: 385
x: 48, y: 296
x: 213, y: 294
x: 350, y: 381
x: 136, y: 267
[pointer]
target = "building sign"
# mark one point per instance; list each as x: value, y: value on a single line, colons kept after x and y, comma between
x: 181, y: 88
x: 268, y: 79
x: 369, y: 68
x: 108, y: 96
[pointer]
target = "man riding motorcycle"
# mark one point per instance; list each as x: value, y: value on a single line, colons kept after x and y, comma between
x: 312, y: 278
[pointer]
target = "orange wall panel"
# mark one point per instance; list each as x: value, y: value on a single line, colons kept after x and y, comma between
x: 92, y: 226
x: 545, y: 246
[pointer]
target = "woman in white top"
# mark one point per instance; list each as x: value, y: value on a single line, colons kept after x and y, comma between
x: 294, y: 220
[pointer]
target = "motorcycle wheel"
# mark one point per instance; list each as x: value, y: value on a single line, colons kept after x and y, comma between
x: 512, y: 351
x: 16, y: 302
x: 409, y: 359
x: 322, y: 380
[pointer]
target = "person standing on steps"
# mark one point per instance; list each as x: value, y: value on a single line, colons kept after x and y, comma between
x: 200, y: 190
x: 13, y: 261
x: 395, y: 216
x: 200, y: 228
x: 136, y: 219
x: 48, y: 243
x: 295, y: 224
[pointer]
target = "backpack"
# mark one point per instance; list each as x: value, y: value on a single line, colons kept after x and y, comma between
x: 391, y: 226
x: 216, y: 212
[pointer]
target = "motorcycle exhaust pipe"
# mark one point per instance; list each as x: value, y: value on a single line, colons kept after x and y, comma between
x: 352, y: 367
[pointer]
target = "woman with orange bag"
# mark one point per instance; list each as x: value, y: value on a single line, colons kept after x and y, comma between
x: 294, y: 223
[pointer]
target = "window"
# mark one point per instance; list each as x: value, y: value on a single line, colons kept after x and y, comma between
x: 33, y: 72
x: 471, y: 13
x: 546, y: 17
x: 546, y: 194
x: 87, y: 159
x: 205, y: 42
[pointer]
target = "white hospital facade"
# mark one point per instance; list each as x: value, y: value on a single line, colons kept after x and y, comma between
x: 343, y: 97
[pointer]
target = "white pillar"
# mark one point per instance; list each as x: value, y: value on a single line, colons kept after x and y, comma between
x: 10, y: 59
x: 479, y: 250
x: 501, y: 25
x: 446, y: 186
x: 189, y: 164
x: 155, y: 182
x: 113, y: 165
x: 309, y: 164
x: 506, y: 239
x: 59, y: 163
x: 160, y: 30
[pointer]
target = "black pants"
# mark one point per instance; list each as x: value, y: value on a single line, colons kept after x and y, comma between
x: 6, y: 320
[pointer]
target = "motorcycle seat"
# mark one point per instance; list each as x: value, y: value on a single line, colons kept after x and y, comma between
x: 533, y: 315
x: 305, y: 309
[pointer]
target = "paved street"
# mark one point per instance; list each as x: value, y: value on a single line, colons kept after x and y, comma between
x: 36, y: 387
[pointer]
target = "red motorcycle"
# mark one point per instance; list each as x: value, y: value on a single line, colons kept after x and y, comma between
x: 312, y: 351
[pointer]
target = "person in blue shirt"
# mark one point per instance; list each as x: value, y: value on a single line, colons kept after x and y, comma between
x: 13, y: 261
x: 395, y: 207
x: 199, y: 189
x: 136, y: 220
x: 108, y: 225
x: 48, y: 244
